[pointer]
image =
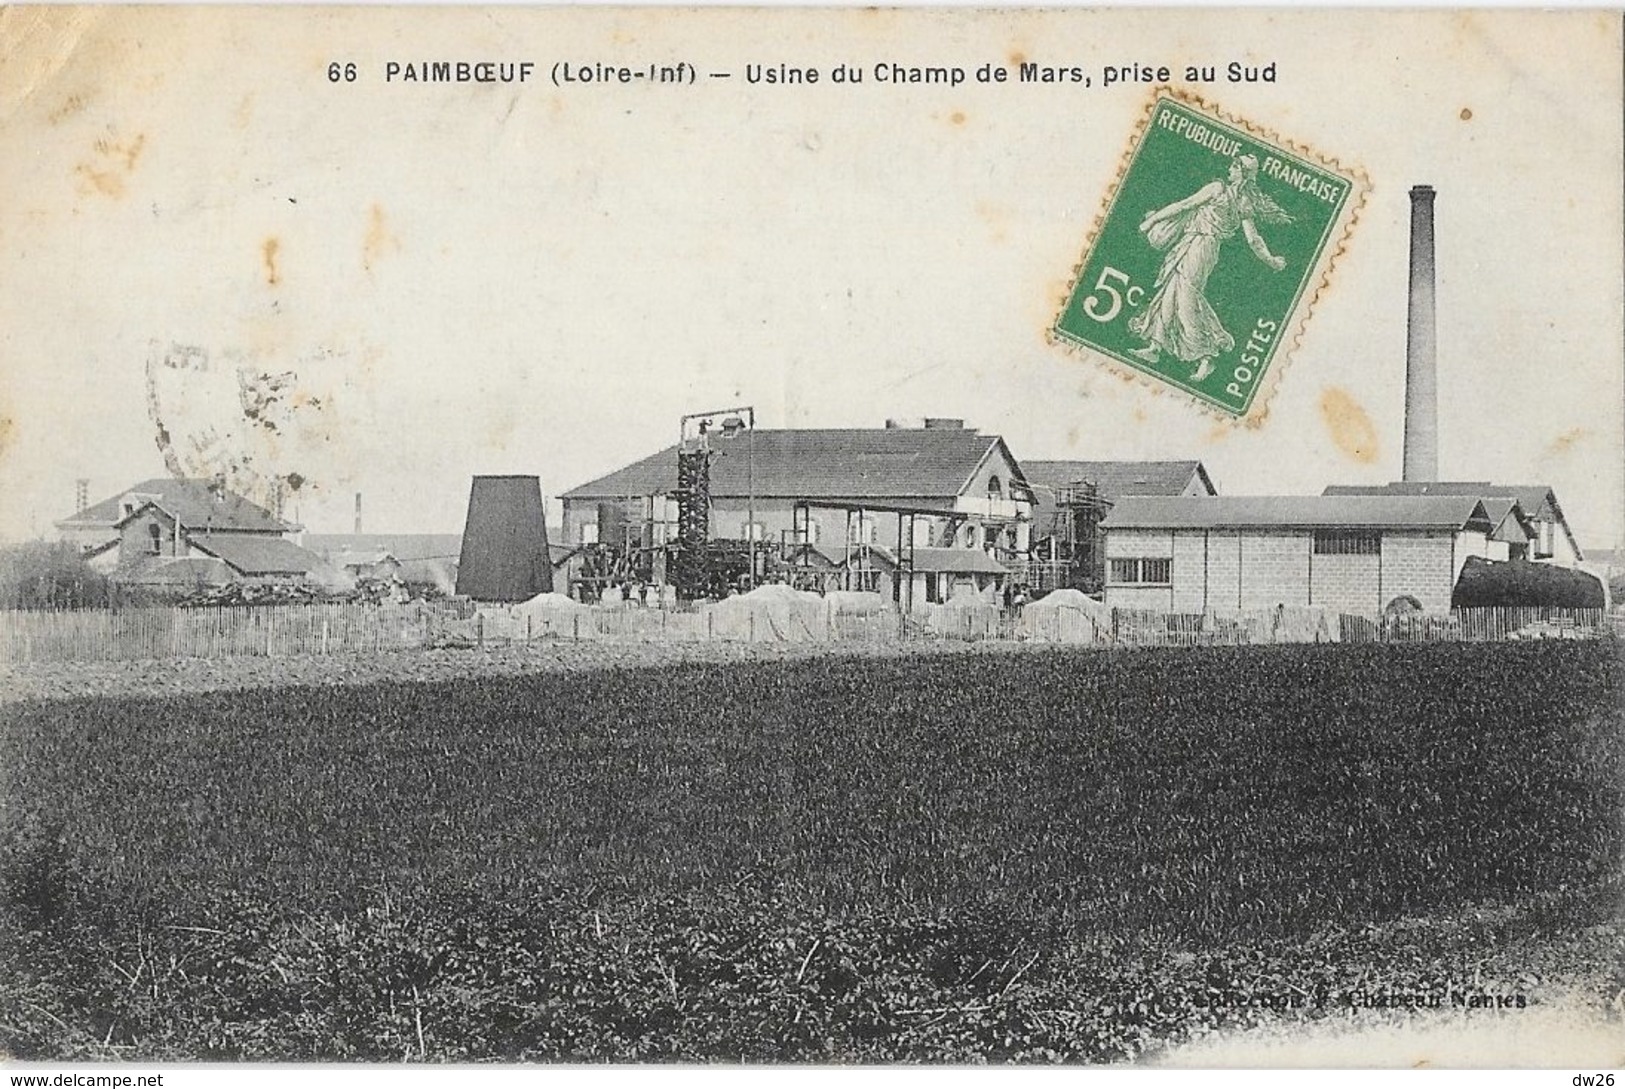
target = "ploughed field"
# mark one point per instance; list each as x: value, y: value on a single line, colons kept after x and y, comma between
x: 1035, y: 856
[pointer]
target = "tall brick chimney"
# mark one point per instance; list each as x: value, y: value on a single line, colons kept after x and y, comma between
x: 1421, y: 348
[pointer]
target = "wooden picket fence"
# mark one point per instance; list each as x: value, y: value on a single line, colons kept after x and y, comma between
x: 1308, y: 625
x: 273, y: 631
x: 286, y: 630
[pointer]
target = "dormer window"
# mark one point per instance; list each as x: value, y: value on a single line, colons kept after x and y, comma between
x: 128, y: 508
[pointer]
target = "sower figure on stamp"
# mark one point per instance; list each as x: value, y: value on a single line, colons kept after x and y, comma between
x: 1178, y: 318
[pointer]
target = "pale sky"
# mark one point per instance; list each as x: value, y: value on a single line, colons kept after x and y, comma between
x: 527, y: 278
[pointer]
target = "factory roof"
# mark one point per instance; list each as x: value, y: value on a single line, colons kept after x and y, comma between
x: 194, y: 503
x: 258, y: 555
x: 821, y: 463
x: 1538, y: 501
x: 1298, y: 512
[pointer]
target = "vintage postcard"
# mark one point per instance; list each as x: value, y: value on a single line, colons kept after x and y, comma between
x: 811, y: 537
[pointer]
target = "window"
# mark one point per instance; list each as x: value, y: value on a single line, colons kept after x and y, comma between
x: 1544, y: 537
x: 922, y: 533
x: 995, y: 488
x: 1143, y: 572
x: 154, y: 538
x: 589, y: 533
x: 1343, y: 542
x: 750, y: 531
x: 862, y: 528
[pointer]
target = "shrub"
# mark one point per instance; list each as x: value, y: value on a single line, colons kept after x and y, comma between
x: 49, y: 575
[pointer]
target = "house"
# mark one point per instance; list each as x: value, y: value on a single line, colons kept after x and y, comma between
x: 1355, y: 553
x: 1552, y: 541
x: 941, y: 485
x: 1069, y: 499
x: 189, y: 532
x: 199, y: 503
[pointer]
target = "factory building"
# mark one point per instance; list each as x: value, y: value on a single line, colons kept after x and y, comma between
x: 1356, y: 554
x: 938, y: 485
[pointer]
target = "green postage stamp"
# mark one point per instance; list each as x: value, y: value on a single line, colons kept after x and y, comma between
x: 1214, y: 245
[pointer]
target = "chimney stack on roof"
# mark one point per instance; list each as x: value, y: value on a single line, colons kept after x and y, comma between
x: 1421, y: 347
x: 927, y: 423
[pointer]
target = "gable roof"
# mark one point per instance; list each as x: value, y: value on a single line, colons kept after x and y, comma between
x: 1509, y: 520
x: 1538, y: 501
x: 259, y: 555
x: 1117, y: 478
x: 195, y: 503
x: 1298, y: 512
x: 818, y: 463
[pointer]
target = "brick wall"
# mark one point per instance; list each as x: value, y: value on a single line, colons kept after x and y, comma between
x: 1149, y: 543
x: 1418, y: 565
x: 1347, y: 583
x: 1223, y: 571
x: 1274, y: 569
x: 1189, y: 573
x: 135, y: 539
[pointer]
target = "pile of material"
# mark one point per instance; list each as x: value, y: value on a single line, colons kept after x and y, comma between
x: 769, y: 614
x: 1285, y: 624
x: 539, y: 617
x: 969, y: 614
x: 856, y: 603
x: 1066, y: 616
x: 554, y: 613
